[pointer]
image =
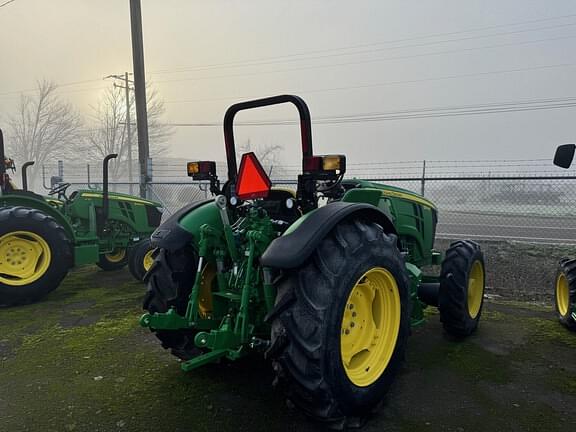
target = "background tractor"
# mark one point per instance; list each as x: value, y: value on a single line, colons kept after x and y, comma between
x: 565, y: 288
x: 41, y: 238
x: 326, y: 282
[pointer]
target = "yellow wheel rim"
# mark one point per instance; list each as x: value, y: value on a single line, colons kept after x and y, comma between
x: 24, y: 258
x: 148, y: 260
x: 475, y: 289
x: 562, y: 294
x: 370, y: 326
x: 116, y: 256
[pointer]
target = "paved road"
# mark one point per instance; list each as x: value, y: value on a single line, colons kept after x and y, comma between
x: 507, y: 227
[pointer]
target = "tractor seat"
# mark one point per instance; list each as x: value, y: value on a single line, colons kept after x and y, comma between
x: 275, y: 205
x: 11, y: 186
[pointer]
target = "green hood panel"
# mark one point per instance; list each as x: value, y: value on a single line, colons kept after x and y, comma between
x: 90, y: 194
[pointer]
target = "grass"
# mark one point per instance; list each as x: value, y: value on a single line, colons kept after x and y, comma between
x: 78, y: 361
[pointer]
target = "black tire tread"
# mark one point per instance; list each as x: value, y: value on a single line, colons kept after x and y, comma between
x: 298, y: 319
x: 169, y: 282
x: 136, y: 256
x: 452, y: 298
x: 63, y: 262
x: 106, y: 265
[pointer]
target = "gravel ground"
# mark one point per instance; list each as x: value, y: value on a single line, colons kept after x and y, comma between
x: 520, y: 271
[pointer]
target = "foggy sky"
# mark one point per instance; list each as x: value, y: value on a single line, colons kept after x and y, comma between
x: 77, y: 40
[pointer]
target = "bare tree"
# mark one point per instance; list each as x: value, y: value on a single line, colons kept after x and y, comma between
x: 45, y: 128
x: 268, y: 155
x: 108, y: 132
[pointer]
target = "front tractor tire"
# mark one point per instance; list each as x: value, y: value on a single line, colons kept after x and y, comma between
x: 35, y: 255
x: 140, y: 259
x: 565, y: 293
x: 115, y: 260
x: 462, y: 285
x: 170, y: 281
x: 341, y: 323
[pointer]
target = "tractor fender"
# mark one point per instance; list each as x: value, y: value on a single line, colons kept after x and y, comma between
x: 297, y: 244
x: 31, y: 200
x: 171, y: 235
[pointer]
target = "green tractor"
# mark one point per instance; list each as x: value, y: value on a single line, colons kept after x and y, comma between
x: 42, y: 238
x: 326, y: 282
x: 565, y: 286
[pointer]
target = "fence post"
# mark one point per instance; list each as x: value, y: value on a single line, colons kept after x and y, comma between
x: 150, y: 178
x: 88, y: 175
x: 61, y: 170
x: 423, y: 182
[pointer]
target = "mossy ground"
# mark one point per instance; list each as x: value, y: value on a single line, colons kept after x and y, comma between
x: 78, y: 361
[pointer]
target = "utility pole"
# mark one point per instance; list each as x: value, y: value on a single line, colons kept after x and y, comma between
x: 140, y: 93
x: 127, y: 89
x: 128, y: 129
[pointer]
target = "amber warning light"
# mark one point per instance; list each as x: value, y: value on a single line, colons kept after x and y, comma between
x: 325, y: 164
x: 253, y: 182
x: 203, y: 170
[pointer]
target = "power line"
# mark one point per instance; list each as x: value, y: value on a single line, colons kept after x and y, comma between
x: 376, y: 60
x: 66, y: 84
x: 7, y: 3
x: 390, y: 83
x: 72, y: 83
x: 262, y: 63
x: 421, y: 113
x: 432, y: 35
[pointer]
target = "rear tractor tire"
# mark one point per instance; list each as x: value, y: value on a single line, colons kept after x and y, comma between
x: 170, y: 281
x: 115, y: 260
x: 462, y: 285
x: 565, y: 293
x: 341, y: 323
x: 35, y: 255
x: 140, y: 259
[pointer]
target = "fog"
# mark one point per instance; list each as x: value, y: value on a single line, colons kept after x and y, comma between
x: 343, y: 57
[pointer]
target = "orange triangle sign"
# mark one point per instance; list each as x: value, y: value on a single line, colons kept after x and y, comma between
x: 253, y: 182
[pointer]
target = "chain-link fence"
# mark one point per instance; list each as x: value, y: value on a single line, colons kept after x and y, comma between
x: 497, y: 200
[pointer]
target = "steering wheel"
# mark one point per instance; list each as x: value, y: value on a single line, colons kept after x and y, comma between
x: 60, y: 189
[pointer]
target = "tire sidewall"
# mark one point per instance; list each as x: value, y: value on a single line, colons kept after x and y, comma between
x: 453, y: 293
x: 60, y: 257
x: 136, y: 256
x: 478, y: 256
x: 566, y: 319
x: 108, y: 265
x: 352, y: 398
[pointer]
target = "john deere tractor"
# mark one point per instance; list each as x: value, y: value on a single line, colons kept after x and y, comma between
x: 325, y: 282
x: 41, y: 238
x: 565, y: 287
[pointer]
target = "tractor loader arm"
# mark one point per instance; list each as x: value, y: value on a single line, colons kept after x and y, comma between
x: 301, y: 239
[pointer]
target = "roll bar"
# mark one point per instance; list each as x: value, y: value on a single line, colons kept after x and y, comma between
x: 305, y: 127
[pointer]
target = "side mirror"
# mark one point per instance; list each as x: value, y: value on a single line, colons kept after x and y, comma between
x: 564, y: 155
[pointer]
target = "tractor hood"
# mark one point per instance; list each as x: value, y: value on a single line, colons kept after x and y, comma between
x: 117, y: 197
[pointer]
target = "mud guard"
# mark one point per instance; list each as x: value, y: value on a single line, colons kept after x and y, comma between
x: 293, y: 248
x: 170, y: 235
